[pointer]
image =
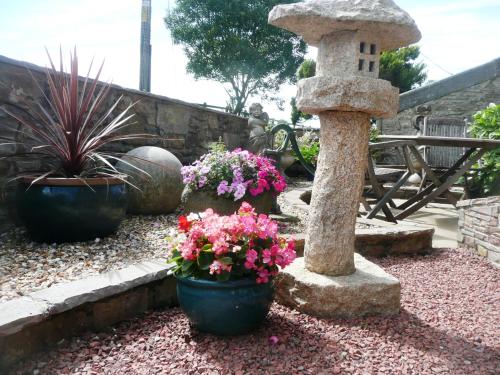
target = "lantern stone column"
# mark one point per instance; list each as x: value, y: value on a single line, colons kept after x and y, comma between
x: 345, y: 93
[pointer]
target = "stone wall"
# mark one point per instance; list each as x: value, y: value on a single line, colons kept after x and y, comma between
x: 479, y: 226
x: 458, y: 96
x: 184, y: 129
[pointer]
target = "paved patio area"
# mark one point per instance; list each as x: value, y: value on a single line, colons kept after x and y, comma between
x: 442, y: 217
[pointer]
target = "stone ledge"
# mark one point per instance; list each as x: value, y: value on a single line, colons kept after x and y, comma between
x: 479, y: 201
x: 41, y: 319
x: 369, y: 291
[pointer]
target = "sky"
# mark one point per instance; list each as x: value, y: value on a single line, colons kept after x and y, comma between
x: 457, y: 35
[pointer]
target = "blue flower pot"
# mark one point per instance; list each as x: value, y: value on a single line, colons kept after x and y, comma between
x: 225, y: 308
x: 70, y: 209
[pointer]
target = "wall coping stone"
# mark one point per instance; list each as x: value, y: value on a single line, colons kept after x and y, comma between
x: 18, y: 313
x: 479, y: 201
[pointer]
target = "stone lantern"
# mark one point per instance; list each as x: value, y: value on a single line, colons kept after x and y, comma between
x: 345, y: 93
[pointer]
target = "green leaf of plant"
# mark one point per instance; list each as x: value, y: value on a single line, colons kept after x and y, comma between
x: 186, y: 265
x: 226, y: 260
x: 205, y: 259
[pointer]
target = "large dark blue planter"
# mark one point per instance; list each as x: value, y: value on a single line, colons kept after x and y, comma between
x: 224, y: 308
x: 66, y: 209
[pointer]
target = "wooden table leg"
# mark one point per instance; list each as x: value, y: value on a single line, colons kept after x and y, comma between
x: 442, y: 178
x: 449, y: 196
x: 379, y: 190
x: 443, y: 187
x: 382, y: 203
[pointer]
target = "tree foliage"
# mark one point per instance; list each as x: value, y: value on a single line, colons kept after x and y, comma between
x: 401, y: 69
x: 231, y: 42
x: 306, y: 70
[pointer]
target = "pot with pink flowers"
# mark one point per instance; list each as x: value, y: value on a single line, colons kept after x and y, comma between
x: 224, y: 267
x: 222, y: 179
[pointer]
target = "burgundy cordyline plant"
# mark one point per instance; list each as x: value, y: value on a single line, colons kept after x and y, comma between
x: 69, y: 130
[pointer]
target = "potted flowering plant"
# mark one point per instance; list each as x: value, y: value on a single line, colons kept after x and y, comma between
x: 222, y: 179
x: 76, y: 193
x: 224, y: 267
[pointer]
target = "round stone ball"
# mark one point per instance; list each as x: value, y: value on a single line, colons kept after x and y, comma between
x: 160, y: 192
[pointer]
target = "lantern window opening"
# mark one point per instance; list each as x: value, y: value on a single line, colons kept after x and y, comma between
x: 361, y: 64
x: 362, y: 46
x: 373, y: 49
x: 371, y: 66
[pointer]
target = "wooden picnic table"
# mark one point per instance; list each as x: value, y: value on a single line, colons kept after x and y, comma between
x: 473, y: 150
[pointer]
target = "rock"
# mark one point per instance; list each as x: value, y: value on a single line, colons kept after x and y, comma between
x: 361, y: 94
x: 160, y: 193
x: 314, y: 18
x: 368, y: 291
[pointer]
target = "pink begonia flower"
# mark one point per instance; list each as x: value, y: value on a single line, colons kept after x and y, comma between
x: 230, y: 235
x: 263, y: 276
x: 251, y: 257
x: 217, y: 268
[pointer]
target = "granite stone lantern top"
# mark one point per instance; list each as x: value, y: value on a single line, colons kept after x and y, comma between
x: 350, y: 35
x: 382, y: 19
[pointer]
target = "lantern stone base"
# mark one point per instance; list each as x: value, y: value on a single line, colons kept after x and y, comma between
x: 368, y: 291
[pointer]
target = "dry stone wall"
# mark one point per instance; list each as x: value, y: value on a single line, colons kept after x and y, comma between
x: 182, y: 128
x: 479, y: 226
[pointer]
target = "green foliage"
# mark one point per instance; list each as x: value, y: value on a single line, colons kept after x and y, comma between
x: 309, y: 147
x: 401, y: 69
x: 231, y: 42
x: 374, y: 134
x: 310, y: 152
x: 485, y: 178
x: 218, y: 147
x: 306, y: 70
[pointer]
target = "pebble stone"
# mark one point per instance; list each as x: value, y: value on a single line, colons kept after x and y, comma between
x: 448, y: 324
x: 27, y: 266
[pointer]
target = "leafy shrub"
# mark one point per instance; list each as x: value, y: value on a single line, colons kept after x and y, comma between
x: 485, y: 173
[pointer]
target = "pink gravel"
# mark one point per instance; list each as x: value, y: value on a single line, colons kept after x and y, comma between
x: 449, y: 324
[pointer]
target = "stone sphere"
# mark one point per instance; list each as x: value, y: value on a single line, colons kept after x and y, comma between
x: 160, y: 193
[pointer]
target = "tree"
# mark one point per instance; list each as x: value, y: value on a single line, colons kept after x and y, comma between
x: 401, y: 69
x: 231, y: 42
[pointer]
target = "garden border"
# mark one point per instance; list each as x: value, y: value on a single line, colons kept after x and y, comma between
x: 45, y: 317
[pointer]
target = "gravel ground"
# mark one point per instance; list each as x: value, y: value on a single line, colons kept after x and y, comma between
x: 448, y: 325
x: 28, y: 266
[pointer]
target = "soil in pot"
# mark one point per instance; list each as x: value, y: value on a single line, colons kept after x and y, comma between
x: 225, y: 308
x: 66, y: 209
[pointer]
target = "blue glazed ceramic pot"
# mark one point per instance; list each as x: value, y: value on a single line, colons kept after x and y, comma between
x: 225, y: 308
x: 70, y: 209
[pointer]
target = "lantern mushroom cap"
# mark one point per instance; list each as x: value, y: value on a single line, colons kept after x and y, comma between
x: 313, y: 19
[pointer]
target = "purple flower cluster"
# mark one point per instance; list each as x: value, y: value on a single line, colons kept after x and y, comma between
x: 233, y: 174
